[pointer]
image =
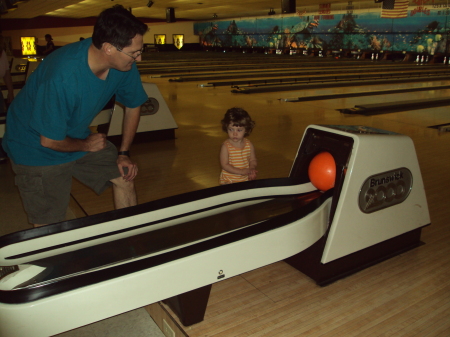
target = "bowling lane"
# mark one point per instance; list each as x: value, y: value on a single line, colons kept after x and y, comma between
x: 190, y: 161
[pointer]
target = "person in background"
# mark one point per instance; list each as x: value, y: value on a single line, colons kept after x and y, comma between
x: 237, y: 154
x: 50, y: 47
x: 47, y: 136
x: 6, y: 75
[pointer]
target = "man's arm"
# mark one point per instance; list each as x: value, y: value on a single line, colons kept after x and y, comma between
x: 93, y: 143
x: 130, y: 124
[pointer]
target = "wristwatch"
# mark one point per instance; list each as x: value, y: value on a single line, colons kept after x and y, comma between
x: 124, y: 153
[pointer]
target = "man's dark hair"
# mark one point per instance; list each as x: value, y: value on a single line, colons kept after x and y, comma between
x: 117, y: 26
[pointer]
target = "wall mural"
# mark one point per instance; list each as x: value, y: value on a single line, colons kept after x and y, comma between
x: 421, y: 32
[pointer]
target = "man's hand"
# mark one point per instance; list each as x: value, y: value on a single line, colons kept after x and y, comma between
x: 95, y: 142
x: 125, y: 161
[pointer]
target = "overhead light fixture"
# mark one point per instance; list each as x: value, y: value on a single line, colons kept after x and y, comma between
x: 214, y: 15
x: 150, y: 3
x: 271, y: 12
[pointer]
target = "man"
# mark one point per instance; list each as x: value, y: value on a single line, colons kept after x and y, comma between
x: 50, y: 47
x: 47, y: 130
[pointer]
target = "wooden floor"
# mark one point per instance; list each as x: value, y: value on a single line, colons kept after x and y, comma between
x: 408, y: 295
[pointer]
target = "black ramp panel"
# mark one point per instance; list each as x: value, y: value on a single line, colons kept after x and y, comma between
x: 155, y: 241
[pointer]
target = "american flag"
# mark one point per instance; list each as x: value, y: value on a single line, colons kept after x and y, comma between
x: 394, y: 9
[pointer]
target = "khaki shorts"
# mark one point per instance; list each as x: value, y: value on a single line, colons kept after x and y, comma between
x: 45, y: 190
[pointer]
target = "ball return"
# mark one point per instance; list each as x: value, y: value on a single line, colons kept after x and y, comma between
x: 65, y: 275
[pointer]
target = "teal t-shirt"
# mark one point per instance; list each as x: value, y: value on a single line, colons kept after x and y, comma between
x: 60, y: 99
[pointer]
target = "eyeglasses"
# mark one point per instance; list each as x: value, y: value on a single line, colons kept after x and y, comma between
x: 137, y: 54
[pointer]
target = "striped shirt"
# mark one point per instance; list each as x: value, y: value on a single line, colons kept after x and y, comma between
x: 239, y: 158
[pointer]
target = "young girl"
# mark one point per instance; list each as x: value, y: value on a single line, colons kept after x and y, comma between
x: 237, y: 155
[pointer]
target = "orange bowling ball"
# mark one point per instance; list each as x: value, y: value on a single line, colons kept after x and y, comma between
x: 322, y: 171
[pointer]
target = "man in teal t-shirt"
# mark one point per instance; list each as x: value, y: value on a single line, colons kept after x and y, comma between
x: 47, y: 131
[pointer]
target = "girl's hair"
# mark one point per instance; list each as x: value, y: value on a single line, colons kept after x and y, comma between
x: 238, y: 117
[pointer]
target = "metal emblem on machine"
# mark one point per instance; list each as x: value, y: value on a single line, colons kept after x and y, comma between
x: 150, y: 107
x: 385, y: 189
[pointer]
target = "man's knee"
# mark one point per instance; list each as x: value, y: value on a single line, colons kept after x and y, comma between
x: 124, y: 193
x: 123, y: 184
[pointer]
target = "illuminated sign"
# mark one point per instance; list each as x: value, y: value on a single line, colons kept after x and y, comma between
x: 28, y: 45
x: 160, y: 39
x: 178, y: 40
